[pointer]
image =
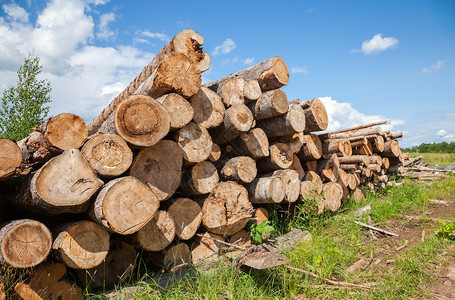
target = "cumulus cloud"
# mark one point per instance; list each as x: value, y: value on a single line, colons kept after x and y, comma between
x: 377, y: 44
x: 441, y: 133
x: 104, y: 32
x: 434, y: 67
x: 15, y: 13
x: 299, y: 70
x: 227, y: 46
x: 248, y: 61
x: 155, y: 35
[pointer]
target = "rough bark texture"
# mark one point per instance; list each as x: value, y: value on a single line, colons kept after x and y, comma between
x: 312, y: 148
x: 295, y: 141
x: 355, y: 159
x: 180, y: 111
x: 24, y: 243
x: 291, y: 184
x: 293, y: 121
x: 316, y: 118
x: 349, y: 134
x: 157, y: 234
x: 208, y: 108
x: 108, y: 154
x: 342, y: 146
x: 270, y: 104
x: 124, y: 205
x: 10, y: 158
x: 160, y: 168
x: 240, y: 168
x: 254, y: 144
x: 200, y: 179
x: 227, y: 210
x: 237, y: 120
x: 195, y: 142
x: 81, y: 245
x: 280, y: 157
x: 187, y: 216
x: 268, y: 189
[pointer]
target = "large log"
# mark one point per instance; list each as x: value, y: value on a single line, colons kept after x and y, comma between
x: 295, y: 141
x: 253, y: 144
x: 199, y: 179
x: 378, y: 143
x: 293, y: 121
x: 333, y: 193
x: 271, y: 74
x: 208, y: 108
x: 316, y: 118
x: 280, y: 157
x: 24, y: 243
x: 270, y: 104
x: 240, y: 168
x: 62, y: 132
x: 237, y: 119
x: 124, y: 205
x: 81, y: 245
x: 108, y: 154
x: 391, y: 149
x: 267, y: 189
x: 187, y: 215
x: 291, y: 184
x: 187, y: 42
x: 328, y: 168
x: 157, y: 234
x: 180, y: 111
x: 227, y: 210
x: 195, y: 142
x: 160, y: 168
x: 10, y: 158
x: 312, y: 148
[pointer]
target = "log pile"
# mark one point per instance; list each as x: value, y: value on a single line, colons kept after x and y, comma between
x: 417, y: 168
x: 175, y: 168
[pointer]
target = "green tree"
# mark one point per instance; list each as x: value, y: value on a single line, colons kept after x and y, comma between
x: 23, y: 106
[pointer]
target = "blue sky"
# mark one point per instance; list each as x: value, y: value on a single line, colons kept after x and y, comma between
x: 367, y: 60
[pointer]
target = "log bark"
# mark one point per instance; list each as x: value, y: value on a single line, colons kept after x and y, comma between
x: 295, y: 141
x: 328, y: 169
x: 237, y: 119
x: 254, y: 144
x: 348, y: 134
x: 236, y: 90
x: 180, y: 111
x: 64, y: 184
x: 187, y: 216
x: 289, y: 123
x: 157, y: 234
x: 57, y: 134
x: 366, y: 149
x: 206, y: 248
x: 291, y: 184
x: 267, y: 189
x: 195, y: 142
x: 374, y: 167
x: 240, y: 168
x: 333, y: 193
x: 200, y: 179
x: 375, y: 159
x: 360, y: 142
x: 337, y: 146
x: 315, y: 179
x: 270, y: 104
x: 81, y: 245
x: 397, y: 160
x: 378, y: 143
x: 24, y: 243
x: 395, y: 136
x: 355, y: 159
x: 312, y: 148
x: 385, y: 163
x: 208, y: 108
x: 187, y: 42
x: 124, y: 205
x: 280, y: 157
x: 215, y: 154
x: 316, y: 118
x: 271, y: 74
x: 159, y: 167
x: 311, y: 165
x: 350, y: 167
x: 116, y: 268
x: 108, y: 154
x: 10, y: 158
x: 391, y: 149
x: 227, y: 210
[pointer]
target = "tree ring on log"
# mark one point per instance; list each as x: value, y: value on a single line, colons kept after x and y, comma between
x: 66, y: 131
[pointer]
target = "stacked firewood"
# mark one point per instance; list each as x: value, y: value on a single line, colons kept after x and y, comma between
x: 417, y: 168
x: 174, y: 168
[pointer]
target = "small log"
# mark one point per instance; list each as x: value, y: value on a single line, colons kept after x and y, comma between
x: 352, y: 182
x: 355, y: 159
x: 374, y: 167
x: 24, y: 243
x: 118, y: 267
x: 270, y: 104
x: 365, y: 126
x: 160, y: 168
x: 333, y: 193
x: 291, y: 184
x: 348, y: 134
x: 307, y: 190
x: 187, y: 216
x: 177, y: 255
x: 227, y: 210
x: 195, y: 142
x: 391, y: 149
x: 396, y: 169
x: 316, y: 118
x: 26, y: 292
x: 366, y: 172
x: 124, y: 205
x: 337, y: 146
x: 81, y: 245
x: 206, y: 248
x: 237, y: 119
x: 260, y: 215
x: 397, y: 160
x: 375, y: 159
x: 180, y: 111
x: 251, y: 90
x: 312, y: 148
x: 254, y: 144
x: 108, y: 154
x: 328, y: 169
x: 315, y: 179
x: 271, y: 74
x: 381, y: 178
x: 157, y: 234
x: 208, y: 108
x: 291, y: 122
x: 295, y: 141
x: 343, y: 181
x: 215, y: 154
x: 200, y: 179
x: 378, y: 143
x: 395, y: 136
x: 366, y: 149
x: 297, y: 166
x: 10, y: 158
x: 231, y: 91
x: 280, y: 157
x: 241, y: 168
x: 358, y: 195
x: 359, y: 143
x: 267, y: 189
x: 350, y: 167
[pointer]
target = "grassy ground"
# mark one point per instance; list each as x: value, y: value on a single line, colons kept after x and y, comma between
x: 401, y: 267
x: 440, y: 159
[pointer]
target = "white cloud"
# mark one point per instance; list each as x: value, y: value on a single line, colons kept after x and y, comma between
x: 15, y: 12
x: 248, y: 61
x: 299, y: 70
x: 104, y: 32
x: 230, y: 61
x: 160, y: 36
x: 434, y: 67
x: 97, y: 2
x: 227, y: 46
x: 441, y: 133
x: 377, y: 44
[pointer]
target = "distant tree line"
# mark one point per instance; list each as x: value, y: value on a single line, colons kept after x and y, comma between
x: 443, y: 147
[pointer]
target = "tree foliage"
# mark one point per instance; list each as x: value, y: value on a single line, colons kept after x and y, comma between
x: 23, y: 106
x: 443, y: 147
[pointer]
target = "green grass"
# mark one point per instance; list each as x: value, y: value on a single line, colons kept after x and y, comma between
x: 440, y: 159
x: 337, y: 243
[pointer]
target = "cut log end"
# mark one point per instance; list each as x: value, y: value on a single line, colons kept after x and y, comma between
x: 180, y: 111
x: 157, y: 234
x: 187, y: 215
x: 195, y: 142
x: 316, y: 116
x: 10, y: 157
x: 66, y: 131
x: 240, y: 168
x: 208, y: 108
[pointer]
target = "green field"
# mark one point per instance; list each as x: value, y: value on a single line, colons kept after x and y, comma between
x: 440, y: 159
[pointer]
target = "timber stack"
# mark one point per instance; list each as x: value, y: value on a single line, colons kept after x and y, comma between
x: 174, y: 168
